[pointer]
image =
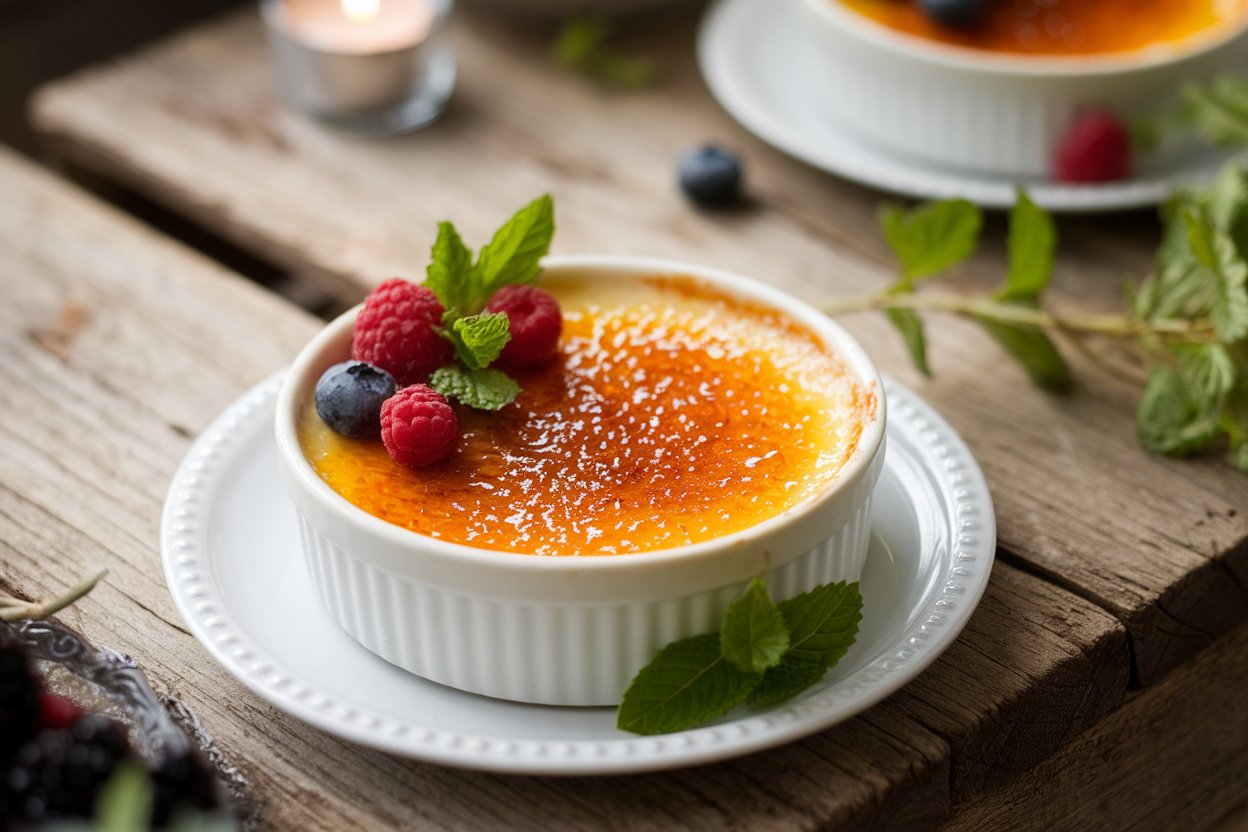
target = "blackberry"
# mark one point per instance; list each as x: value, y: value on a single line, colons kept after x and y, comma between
x: 183, y: 782
x: 20, y: 687
x: 58, y: 774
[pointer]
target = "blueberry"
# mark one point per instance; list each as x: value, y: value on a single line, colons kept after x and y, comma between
x: 349, y: 398
x: 711, y: 177
x: 956, y: 14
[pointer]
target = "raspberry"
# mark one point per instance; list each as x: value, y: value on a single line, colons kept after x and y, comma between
x: 418, y: 427
x: 1097, y: 149
x: 395, y: 331
x: 56, y: 711
x: 534, y: 322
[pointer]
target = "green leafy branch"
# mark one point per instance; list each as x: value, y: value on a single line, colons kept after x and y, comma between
x: 763, y: 654
x: 1187, y: 322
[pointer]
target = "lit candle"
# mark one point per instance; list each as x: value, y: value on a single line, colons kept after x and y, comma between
x: 371, y: 66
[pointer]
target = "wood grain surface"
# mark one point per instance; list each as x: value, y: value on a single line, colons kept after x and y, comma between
x: 1135, y: 770
x: 118, y: 345
x: 194, y: 125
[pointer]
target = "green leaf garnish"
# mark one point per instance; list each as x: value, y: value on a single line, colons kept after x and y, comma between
x: 1171, y: 420
x: 931, y: 238
x: 464, y: 287
x: 479, y: 338
x: 910, y: 326
x: 1032, y: 348
x: 823, y: 623
x: 450, y: 274
x: 789, y: 678
x: 764, y: 653
x: 1214, y: 250
x: 688, y: 683
x: 1218, y: 109
x: 753, y: 636
x: 514, y: 255
x: 1032, y: 244
x: 484, y: 389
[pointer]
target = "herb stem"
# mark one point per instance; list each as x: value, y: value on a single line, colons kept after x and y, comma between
x: 1114, y: 325
x: 15, y: 609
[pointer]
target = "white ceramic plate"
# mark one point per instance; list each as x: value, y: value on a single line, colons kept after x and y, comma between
x: 761, y: 73
x: 230, y: 545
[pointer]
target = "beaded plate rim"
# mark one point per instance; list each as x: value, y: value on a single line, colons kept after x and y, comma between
x: 942, y: 612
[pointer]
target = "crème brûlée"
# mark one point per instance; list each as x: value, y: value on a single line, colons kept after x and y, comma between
x: 1064, y: 27
x: 671, y: 415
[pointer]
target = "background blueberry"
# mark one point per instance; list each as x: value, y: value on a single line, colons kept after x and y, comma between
x: 953, y: 13
x: 711, y: 177
x: 349, y: 398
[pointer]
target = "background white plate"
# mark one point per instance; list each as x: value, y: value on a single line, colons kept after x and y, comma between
x: 758, y: 68
x: 230, y: 545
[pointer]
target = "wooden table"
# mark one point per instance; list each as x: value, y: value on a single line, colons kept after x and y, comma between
x: 1099, y: 684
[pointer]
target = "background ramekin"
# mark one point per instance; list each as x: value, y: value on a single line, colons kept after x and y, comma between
x: 988, y: 112
x: 563, y: 630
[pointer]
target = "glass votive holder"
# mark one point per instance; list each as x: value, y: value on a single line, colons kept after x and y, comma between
x: 368, y: 67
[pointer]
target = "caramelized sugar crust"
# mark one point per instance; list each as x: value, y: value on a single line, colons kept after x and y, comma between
x: 672, y: 415
x: 1063, y: 27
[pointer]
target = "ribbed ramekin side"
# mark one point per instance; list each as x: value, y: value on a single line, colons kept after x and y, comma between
x: 555, y: 653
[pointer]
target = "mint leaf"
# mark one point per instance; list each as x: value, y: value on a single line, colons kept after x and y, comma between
x: 753, y: 636
x: 910, y: 325
x: 478, y: 339
x: 688, y: 683
x: 1170, y: 420
x: 823, y: 623
x: 793, y: 675
x: 1228, y: 205
x: 514, y: 255
x: 450, y: 274
x: 1214, y: 250
x: 1208, y: 372
x: 931, y: 238
x: 487, y: 389
x: 1032, y: 243
x: 1218, y: 109
x: 1032, y: 348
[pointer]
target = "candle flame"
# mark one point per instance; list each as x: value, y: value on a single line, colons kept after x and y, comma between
x: 361, y: 11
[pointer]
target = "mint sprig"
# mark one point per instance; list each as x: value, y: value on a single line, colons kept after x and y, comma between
x: 464, y: 286
x: 764, y: 654
x: 1187, y: 322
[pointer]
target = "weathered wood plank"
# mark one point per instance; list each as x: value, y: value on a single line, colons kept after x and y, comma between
x: 100, y: 405
x: 1159, y: 544
x: 1173, y: 758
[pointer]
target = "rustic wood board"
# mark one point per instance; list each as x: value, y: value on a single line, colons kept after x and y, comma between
x: 193, y: 124
x: 1173, y: 758
x: 118, y: 345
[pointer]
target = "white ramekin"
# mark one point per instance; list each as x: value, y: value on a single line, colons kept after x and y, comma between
x: 563, y: 630
x: 987, y: 112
